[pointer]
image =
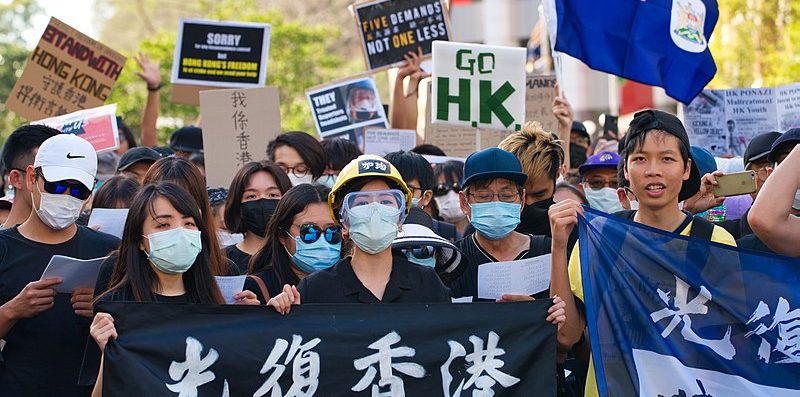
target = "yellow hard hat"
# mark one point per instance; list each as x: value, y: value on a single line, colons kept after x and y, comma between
x: 367, y: 165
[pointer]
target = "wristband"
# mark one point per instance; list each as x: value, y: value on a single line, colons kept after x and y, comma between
x: 156, y: 88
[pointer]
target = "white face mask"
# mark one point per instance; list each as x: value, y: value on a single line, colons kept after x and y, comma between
x: 796, y: 204
x: 450, y: 207
x: 299, y: 180
x: 604, y: 199
x: 57, y: 211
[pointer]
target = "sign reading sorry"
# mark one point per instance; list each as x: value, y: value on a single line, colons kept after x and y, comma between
x: 478, y: 85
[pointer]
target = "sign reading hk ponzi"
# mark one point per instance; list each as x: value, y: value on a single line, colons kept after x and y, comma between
x: 478, y: 85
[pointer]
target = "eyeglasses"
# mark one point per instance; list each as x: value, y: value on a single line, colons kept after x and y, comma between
x: 299, y: 170
x: 442, y: 189
x: 415, y: 188
x: 506, y: 196
x: 423, y: 252
x: 310, y: 233
x: 75, y: 189
x: 761, y: 173
x: 599, y: 183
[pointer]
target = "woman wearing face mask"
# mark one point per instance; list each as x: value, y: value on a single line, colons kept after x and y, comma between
x: 165, y: 257
x: 448, y: 177
x: 301, y: 238
x: 339, y: 152
x: 370, y: 201
x: 299, y: 155
x: 599, y: 175
x: 253, y: 196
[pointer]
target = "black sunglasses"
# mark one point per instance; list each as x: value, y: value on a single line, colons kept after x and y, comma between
x: 442, y: 189
x: 75, y: 189
x: 423, y: 252
x: 310, y: 233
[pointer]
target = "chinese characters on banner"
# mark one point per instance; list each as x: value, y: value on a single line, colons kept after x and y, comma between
x: 391, y: 28
x: 98, y: 126
x: 346, y: 108
x: 66, y: 72
x: 331, y: 350
x: 237, y: 126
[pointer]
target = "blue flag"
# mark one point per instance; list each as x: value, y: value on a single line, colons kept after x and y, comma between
x: 673, y: 316
x: 657, y: 42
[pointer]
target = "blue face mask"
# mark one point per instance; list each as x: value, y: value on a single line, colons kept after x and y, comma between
x: 496, y: 219
x: 373, y: 227
x: 604, y: 199
x: 319, y: 255
x: 327, y: 180
x: 174, y: 251
x: 429, y: 262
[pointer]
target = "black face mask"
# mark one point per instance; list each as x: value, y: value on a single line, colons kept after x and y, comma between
x: 577, y: 156
x: 256, y: 214
x: 534, y: 219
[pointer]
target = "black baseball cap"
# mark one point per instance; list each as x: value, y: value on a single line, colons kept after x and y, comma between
x: 760, y: 146
x: 578, y: 127
x: 187, y: 139
x: 653, y: 119
x: 791, y: 137
x: 137, y: 155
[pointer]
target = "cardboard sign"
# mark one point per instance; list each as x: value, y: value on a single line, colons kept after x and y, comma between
x: 539, y: 96
x: 381, y: 141
x: 237, y: 125
x: 478, y: 85
x: 66, y: 72
x: 724, y: 121
x: 98, y: 126
x: 221, y: 53
x: 346, y: 108
x: 391, y: 28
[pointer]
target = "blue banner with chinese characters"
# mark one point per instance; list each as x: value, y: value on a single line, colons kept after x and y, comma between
x: 674, y: 316
x: 448, y: 350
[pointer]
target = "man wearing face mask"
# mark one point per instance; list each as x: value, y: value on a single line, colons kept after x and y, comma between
x: 44, y: 331
x: 599, y: 175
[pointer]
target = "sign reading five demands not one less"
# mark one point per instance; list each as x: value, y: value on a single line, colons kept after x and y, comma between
x: 237, y: 125
x: 66, y: 72
x: 478, y: 85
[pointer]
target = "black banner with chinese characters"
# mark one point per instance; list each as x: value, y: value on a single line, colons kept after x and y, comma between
x: 330, y: 350
x: 391, y: 28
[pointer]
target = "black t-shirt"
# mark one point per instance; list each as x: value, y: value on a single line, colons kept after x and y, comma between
x: 738, y: 228
x: 271, y: 282
x: 43, y: 354
x: 752, y: 242
x: 408, y: 283
x: 475, y: 255
x: 238, y: 257
x: 126, y: 295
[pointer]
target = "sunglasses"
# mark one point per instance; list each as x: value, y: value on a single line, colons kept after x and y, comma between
x: 442, y: 189
x: 423, y: 252
x: 75, y: 189
x: 310, y: 233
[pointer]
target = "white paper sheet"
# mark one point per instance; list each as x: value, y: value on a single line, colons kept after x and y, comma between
x: 111, y: 220
x: 75, y: 273
x: 230, y: 286
x: 522, y: 277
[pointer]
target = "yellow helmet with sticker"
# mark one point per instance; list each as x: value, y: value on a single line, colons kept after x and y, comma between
x: 366, y: 166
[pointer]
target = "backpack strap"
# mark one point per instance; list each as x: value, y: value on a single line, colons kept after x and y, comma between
x: 702, y: 229
x: 261, y: 286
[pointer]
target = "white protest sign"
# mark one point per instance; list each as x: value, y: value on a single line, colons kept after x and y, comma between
x: 381, y: 141
x: 97, y: 125
x: 478, y: 85
x: 110, y: 220
x: 522, y: 277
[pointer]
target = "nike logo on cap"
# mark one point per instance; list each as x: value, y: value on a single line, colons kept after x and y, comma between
x: 70, y: 156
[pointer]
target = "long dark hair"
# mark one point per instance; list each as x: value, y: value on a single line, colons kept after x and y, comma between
x: 136, y: 274
x: 119, y: 190
x: 233, y: 205
x: 186, y: 175
x: 273, y: 255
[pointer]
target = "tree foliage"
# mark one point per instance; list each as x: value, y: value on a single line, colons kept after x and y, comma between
x: 15, y: 17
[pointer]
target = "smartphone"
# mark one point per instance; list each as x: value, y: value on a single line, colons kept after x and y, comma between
x: 735, y: 184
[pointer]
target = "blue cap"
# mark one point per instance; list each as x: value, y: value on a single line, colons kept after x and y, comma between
x: 791, y: 137
x: 703, y: 159
x: 600, y: 160
x: 493, y: 163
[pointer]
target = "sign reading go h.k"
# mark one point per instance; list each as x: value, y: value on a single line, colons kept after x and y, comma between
x: 478, y: 85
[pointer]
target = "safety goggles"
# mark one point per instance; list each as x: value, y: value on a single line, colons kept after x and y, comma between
x: 392, y: 201
x: 310, y: 233
x: 443, y: 188
x: 75, y: 189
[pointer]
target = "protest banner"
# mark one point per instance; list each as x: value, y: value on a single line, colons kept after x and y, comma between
x: 345, y: 108
x: 66, y: 72
x: 539, y: 96
x: 724, y: 121
x: 98, y: 126
x: 211, y: 54
x: 330, y: 350
x: 389, y: 29
x: 237, y: 126
x: 381, y: 140
x: 478, y: 85
x: 671, y: 315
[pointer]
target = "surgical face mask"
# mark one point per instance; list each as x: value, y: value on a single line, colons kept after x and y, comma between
x: 428, y: 262
x: 796, y: 204
x: 450, y: 207
x: 257, y: 213
x: 57, y: 211
x: 299, y: 180
x: 174, y: 251
x: 604, y: 199
x: 319, y: 255
x: 495, y: 220
x: 327, y: 180
x: 634, y: 204
x: 225, y: 238
x: 373, y: 226
x: 414, y: 202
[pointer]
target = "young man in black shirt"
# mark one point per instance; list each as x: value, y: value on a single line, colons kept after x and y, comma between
x: 46, y: 332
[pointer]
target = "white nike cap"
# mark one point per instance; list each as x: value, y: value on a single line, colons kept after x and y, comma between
x: 67, y: 156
